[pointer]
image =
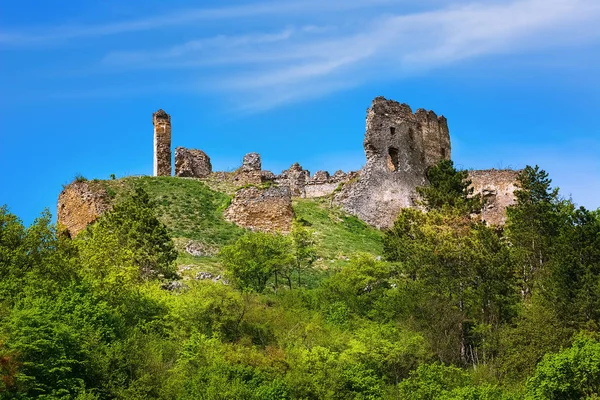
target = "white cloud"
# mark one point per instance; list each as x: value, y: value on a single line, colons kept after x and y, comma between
x: 179, y: 18
x: 376, y: 40
x: 395, y: 46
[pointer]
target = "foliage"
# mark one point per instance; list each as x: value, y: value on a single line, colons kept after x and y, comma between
x: 255, y: 257
x: 573, y: 373
x: 532, y: 225
x: 305, y: 252
x: 571, y: 284
x: 127, y: 244
x: 464, y: 267
x: 456, y: 310
x: 436, y: 381
x: 448, y: 187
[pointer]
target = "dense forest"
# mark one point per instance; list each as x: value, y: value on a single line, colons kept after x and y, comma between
x: 441, y: 306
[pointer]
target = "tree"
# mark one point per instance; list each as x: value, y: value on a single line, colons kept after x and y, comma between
x: 532, y: 224
x: 571, y: 284
x: 448, y: 187
x: 32, y: 257
x: 436, y: 381
x: 459, y: 261
x: 573, y: 373
x: 305, y: 252
x: 256, y: 257
x: 462, y: 263
x: 127, y: 244
x: 360, y: 283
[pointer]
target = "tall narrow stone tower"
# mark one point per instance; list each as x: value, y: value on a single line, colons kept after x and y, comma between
x: 162, y: 143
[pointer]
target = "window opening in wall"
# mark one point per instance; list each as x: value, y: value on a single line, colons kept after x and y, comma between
x: 411, y: 135
x: 443, y: 152
x: 392, y: 130
x: 393, y: 159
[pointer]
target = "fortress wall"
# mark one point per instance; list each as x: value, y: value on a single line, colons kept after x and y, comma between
x: 80, y: 204
x: 399, y: 147
x: 497, y: 187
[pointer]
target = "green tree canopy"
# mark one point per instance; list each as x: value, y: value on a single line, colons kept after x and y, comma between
x: 448, y: 187
x: 127, y: 243
x: 255, y: 258
x: 571, y: 374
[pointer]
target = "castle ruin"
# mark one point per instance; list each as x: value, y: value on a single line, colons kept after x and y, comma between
x: 400, y: 145
x: 162, y: 143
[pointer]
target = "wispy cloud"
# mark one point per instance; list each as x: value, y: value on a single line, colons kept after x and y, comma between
x: 394, y: 46
x: 295, y: 61
x: 36, y: 35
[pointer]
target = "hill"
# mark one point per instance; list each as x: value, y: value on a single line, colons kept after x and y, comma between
x: 193, y: 215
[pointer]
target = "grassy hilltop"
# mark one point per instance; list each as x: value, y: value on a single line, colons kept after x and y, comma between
x: 192, y: 211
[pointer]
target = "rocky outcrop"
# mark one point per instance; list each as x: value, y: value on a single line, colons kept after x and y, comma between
x: 399, y: 146
x: 80, y: 204
x: 497, y: 188
x: 192, y: 163
x: 268, y: 210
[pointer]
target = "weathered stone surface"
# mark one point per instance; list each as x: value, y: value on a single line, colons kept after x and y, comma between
x: 319, y: 177
x: 162, y: 143
x: 243, y: 178
x: 80, y: 204
x: 399, y: 147
x: 268, y: 210
x: 192, y: 163
x: 250, y: 172
x: 339, y: 176
x: 295, y: 179
x: 322, y: 184
x: 174, y: 286
x: 251, y: 162
x: 497, y: 187
x: 267, y: 176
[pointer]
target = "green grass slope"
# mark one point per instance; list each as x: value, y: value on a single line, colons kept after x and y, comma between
x: 193, y: 211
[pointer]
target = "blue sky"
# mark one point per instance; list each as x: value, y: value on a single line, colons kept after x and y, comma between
x: 518, y: 81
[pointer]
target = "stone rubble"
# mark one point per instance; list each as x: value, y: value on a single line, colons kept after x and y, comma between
x: 192, y: 163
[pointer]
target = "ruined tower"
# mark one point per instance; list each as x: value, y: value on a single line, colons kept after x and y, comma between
x: 162, y: 143
x: 399, y: 145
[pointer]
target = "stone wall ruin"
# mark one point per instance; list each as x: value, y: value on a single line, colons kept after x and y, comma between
x: 192, y: 163
x: 80, y: 204
x: 399, y: 146
x: 497, y: 187
x: 162, y: 143
x: 263, y: 209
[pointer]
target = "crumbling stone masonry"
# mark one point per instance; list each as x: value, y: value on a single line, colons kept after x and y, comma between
x: 250, y: 172
x: 162, y: 143
x: 322, y: 184
x: 295, y: 179
x: 267, y: 210
x: 251, y: 162
x: 192, y: 163
x: 497, y: 187
x: 80, y: 204
x: 399, y: 146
